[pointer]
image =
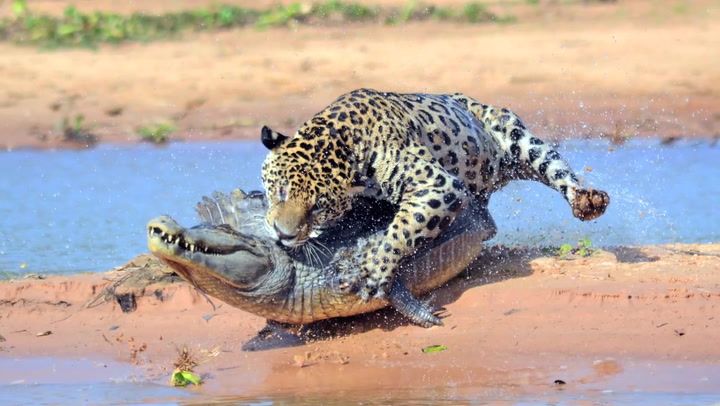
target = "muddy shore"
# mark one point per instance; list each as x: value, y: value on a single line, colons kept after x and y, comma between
x: 518, y: 320
x: 616, y: 70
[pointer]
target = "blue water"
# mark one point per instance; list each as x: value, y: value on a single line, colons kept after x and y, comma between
x: 61, y: 381
x: 76, y: 211
x: 67, y: 381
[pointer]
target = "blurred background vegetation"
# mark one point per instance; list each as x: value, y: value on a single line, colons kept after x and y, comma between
x: 80, y: 28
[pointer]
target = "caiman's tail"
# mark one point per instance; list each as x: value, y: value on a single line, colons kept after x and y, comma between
x: 528, y: 157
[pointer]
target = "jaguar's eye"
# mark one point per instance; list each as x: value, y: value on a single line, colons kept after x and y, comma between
x: 282, y: 194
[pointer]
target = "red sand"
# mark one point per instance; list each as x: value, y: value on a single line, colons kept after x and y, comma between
x: 512, y: 327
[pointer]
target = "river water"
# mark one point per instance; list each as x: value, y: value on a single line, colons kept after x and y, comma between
x: 85, y: 211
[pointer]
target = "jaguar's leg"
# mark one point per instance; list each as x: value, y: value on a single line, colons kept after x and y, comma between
x: 429, y: 199
x: 528, y: 157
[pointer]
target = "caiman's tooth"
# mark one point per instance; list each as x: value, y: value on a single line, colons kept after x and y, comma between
x: 192, y: 247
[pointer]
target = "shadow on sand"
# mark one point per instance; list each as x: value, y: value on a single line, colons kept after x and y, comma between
x: 494, y: 264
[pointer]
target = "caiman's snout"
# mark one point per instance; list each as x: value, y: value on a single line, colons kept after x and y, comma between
x: 166, y: 235
x: 163, y: 232
x: 208, y: 253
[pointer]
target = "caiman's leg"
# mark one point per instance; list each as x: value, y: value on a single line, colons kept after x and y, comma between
x: 419, y: 312
x: 478, y: 226
x: 275, y: 335
x: 528, y: 157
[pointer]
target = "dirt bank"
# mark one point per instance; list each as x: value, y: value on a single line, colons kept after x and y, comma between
x: 517, y: 321
x: 621, y: 69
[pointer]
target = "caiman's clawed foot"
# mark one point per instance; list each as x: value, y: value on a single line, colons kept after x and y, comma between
x: 274, y: 335
x: 417, y: 311
x: 589, y: 204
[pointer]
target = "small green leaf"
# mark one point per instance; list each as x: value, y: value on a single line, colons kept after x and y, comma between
x: 585, y: 243
x: 434, y: 348
x: 565, y: 249
x: 191, y: 377
x: 184, y: 378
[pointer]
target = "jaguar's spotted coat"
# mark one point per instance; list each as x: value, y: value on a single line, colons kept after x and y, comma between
x: 425, y: 153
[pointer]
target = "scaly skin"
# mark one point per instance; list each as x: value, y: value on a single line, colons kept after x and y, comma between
x: 244, y: 267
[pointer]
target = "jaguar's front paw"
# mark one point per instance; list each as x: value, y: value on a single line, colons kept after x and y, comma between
x: 348, y: 283
x: 366, y: 288
x: 370, y: 289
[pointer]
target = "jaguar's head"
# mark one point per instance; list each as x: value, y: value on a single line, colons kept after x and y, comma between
x: 307, y: 183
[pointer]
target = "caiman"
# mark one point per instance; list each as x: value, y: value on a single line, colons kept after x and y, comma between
x: 231, y: 256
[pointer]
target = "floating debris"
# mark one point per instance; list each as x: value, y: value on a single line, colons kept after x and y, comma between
x: 186, y: 360
x: 44, y: 333
x: 183, y: 374
x: 184, y: 378
x: 434, y: 348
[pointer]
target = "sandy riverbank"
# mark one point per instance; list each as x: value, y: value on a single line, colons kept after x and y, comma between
x: 517, y: 321
x: 620, y: 70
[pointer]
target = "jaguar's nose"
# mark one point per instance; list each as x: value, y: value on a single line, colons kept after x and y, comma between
x: 282, y: 235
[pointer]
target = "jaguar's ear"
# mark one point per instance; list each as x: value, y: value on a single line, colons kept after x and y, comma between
x: 271, y: 138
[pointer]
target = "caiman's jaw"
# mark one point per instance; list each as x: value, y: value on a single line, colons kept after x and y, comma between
x: 209, y: 252
x: 164, y: 232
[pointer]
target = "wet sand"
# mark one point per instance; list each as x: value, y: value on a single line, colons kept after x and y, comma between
x: 619, y: 70
x: 518, y: 320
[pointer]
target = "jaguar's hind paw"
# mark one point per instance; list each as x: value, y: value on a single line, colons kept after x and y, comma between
x: 589, y: 204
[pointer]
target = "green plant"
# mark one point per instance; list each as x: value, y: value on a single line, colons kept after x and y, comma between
x: 347, y: 11
x: 441, y: 13
x: 407, y: 12
x: 582, y: 249
x: 564, y: 250
x: 157, y: 133
x: 282, y: 15
x: 75, y: 131
x: 88, y: 29
x: 476, y: 12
